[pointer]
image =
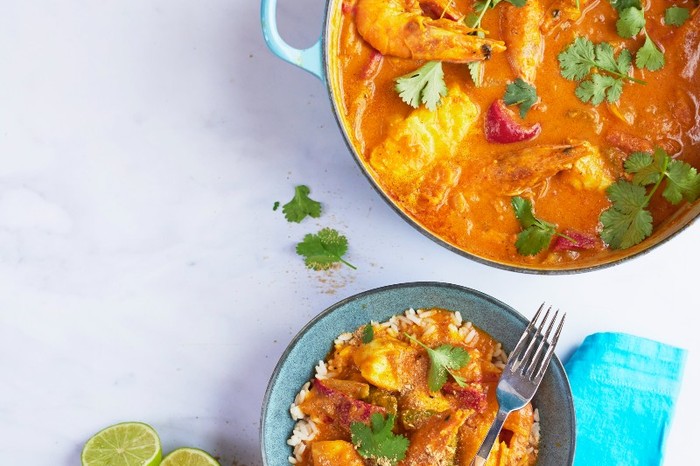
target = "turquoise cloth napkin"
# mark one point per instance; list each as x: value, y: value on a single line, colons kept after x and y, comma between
x: 625, y: 390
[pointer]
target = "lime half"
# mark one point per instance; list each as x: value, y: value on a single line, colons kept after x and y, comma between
x: 125, y: 444
x: 189, y: 457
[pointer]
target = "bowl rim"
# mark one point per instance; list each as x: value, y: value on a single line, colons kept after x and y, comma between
x: 568, y: 396
x: 653, y: 244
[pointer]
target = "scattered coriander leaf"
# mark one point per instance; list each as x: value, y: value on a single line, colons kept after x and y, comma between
x: 518, y: 3
x: 367, y: 334
x: 425, y: 85
x: 578, y: 59
x: 581, y: 57
x: 645, y: 168
x: 301, y: 205
x: 649, y: 56
x: 275, y: 206
x: 531, y: 241
x: 599, y: 88
x: 523, y: 211
x: 443, y: 360
x: 536, y: 234
x: 521, y: 93
x: 630, y: 22
x: 683, y: 182
x: 323, y: 249
x: 676, y: 16
x: 378, y: 442
x: 626, y: 222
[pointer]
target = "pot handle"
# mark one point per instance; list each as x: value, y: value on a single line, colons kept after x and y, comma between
x: 309, y: 59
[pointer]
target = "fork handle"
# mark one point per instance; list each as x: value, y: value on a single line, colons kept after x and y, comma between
x: 491, y: 436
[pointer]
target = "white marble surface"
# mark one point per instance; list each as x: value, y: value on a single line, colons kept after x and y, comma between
x: 143, y: 273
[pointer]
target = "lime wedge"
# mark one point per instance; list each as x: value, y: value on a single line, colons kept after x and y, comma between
x: 125, y: 444
x: 189, y: 457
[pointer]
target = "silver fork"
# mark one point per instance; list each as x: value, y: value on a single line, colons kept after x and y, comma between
x: 522, y: 374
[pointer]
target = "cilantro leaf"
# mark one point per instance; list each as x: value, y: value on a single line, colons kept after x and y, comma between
x: 301, y: 205
x: 649, y: 56
x: 523, y: 211
x: 599, y: 88
x: 275, y: 206
x: 521, y: 93
x: 367, y: 334
x: 378, y: 442
x: 443, y: 360
x: 630, y: 22
x: 323, y: 249
x: 605, y: 59
x: 626, y: 222
x: 536, y: 234
x: 578, y: 59
x: 646, y: 169
x: 425, y: 85
x: 531, y: 241
x: 581, y: 57
x: 676, y: 16
x: 683, y: 182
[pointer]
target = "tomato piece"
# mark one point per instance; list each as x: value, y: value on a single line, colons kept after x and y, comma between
x: 501, y: 127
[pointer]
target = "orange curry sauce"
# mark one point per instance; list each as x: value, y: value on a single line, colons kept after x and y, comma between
x: 451, y: 196
x: 389, y: 376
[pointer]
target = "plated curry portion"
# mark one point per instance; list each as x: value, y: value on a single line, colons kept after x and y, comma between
x: 416, y: 390
x: 525, y: 132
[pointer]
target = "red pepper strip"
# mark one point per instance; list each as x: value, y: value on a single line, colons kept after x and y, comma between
x: 500, y: 126
x: 574, y: 241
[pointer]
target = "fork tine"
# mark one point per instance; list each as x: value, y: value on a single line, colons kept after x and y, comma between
x: 515, y: 355
x: 525, y: 356
x: 550, y: 350
x: 533, y: 362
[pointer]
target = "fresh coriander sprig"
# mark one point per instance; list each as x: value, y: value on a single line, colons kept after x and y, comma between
x: 581, y: 57
x: 443, y: 360
x: 377, y: 442
x: 425, y: 85
x: 521, y: 93
x: 630, y: 23
x: 301, y: 206
x: 628, y: 221
x: 324, y: 249
x: 536, y: 234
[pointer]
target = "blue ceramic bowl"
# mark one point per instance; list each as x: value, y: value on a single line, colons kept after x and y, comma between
x: 315, y: 340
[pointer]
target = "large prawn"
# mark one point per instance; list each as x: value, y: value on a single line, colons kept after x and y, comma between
x: 521, y: 31
x: 400, y: 28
